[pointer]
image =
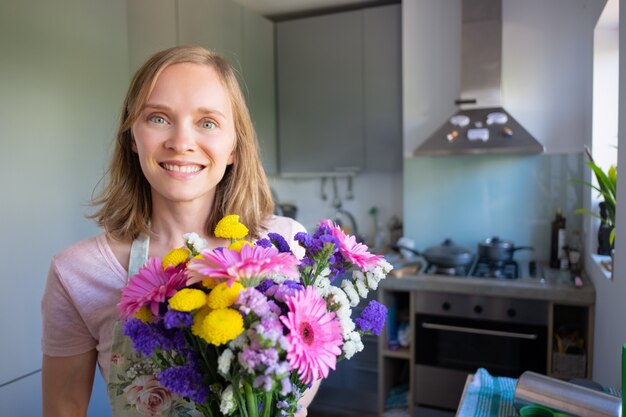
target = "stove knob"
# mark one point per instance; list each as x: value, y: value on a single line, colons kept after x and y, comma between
x: 511, y: 312
x: 478, y: 309
x: 446, y: 306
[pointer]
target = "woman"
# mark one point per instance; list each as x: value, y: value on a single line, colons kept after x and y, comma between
x: 185, y: 155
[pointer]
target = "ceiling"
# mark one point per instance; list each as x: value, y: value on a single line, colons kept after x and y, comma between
x: 278, y: 8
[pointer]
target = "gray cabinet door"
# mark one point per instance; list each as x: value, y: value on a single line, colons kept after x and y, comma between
x: 320, y: 93
x: 383, y: 88
x: 259, y: 86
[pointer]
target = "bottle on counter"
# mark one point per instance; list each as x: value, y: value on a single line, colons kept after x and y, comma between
x: 604, y: 231
x: 557, y: 240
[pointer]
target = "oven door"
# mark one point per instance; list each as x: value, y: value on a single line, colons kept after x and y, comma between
x: 449, y: 348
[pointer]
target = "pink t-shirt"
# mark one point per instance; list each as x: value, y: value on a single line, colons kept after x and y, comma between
x: 79, y: 305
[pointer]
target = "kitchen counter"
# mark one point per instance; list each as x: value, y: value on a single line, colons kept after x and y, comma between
x: 556, y: 286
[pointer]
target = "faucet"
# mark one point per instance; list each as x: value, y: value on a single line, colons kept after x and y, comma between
x: 340, y: 212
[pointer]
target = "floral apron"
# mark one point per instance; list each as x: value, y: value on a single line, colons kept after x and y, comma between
x: 133, y: 388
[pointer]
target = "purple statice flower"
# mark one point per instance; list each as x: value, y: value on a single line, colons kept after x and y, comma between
x: 249, y: 359
x: 265, y: 285
x: 185, y: 381
x: 148, y: 337
x: 281, y: 292
x: 303, y: 238
x: 264, y: 381
x: 269, y: 328
x: 264, y: 243
x: 253, y: 301
x: 372, y: 318
x: 280, y: 242
x: 173, y: 319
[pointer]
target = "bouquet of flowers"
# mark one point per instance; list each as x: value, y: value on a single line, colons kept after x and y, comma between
x: 243, y: 330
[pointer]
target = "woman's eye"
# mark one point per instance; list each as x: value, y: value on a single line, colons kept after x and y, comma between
x: 158, y: 120
x: 208, y: 124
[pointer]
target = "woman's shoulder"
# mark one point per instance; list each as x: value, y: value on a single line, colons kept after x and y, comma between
x: 285, y: 226
x: 91, y: 252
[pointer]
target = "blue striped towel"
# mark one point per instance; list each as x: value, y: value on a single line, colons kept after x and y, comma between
x: 488, y: 396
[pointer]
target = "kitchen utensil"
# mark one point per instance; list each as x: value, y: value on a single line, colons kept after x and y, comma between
x: 446, y: 255
x: 498, y: 250
x: 536, y: 389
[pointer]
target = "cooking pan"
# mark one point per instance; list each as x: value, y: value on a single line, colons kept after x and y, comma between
x: 498, y: 250
x: 446, y: 255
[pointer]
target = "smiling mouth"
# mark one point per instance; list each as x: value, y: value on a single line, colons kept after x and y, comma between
x: 185, y: 169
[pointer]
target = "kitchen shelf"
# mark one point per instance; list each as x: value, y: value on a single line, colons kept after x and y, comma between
x: 398, y: 354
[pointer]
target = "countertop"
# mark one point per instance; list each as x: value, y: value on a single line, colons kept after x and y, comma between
x: 556, y: 286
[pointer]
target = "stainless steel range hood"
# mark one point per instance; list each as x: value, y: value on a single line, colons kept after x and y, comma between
x: 482, y: 125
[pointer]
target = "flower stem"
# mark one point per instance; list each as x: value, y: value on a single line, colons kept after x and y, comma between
x: 267, y: 404
x: 253, y: 410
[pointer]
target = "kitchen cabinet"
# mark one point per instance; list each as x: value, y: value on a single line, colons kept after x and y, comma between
x: 570, y: 313
x: 243, y: 37
x: 339, y: 94
x: 383, y: 88
x: 353, y: 386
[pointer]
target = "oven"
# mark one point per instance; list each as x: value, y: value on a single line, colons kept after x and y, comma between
x: 455, y: 334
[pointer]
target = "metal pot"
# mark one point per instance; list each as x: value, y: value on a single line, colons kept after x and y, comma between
x: 497, y: 250
x: 446, y: 255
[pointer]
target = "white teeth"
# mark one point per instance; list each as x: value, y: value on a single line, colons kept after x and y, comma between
x: 182, y: 168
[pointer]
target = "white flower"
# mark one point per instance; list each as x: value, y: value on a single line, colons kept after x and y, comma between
x: 349, y: 349
x: 372, y: 281
x: 358, y: 275
x: 227, y: 402
x: 355, y: 337
x: 239, y: 342
x: 277, y: 278
x: 224, y: 361
x: 337, y: 299
x: 350, y: 291
x: 361, y: 288
x: 322, y: 284
x: 195, y: 242
x: 347, y: 326
x: 352, y: 345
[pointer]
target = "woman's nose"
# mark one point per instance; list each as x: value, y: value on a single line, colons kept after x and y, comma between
x: 181, y: 139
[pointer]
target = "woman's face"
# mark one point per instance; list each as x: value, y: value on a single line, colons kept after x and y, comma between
x: 185, y: 134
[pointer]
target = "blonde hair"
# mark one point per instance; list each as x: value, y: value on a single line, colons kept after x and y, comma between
x: 126, y: 201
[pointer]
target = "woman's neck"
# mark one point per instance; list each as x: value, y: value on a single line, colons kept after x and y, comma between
x: 170, y: 222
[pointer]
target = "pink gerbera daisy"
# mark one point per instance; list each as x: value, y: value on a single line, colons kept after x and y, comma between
x: 149, y: 287
x: 252, y: 262
x: 352, y: 250
x: 314, y: 335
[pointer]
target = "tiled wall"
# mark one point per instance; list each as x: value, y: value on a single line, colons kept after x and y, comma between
x: 380, y: 190
x: 470, y: 198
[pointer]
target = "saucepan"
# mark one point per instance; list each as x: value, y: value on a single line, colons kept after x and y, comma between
x: 446, y: 255
x: 498, y: 250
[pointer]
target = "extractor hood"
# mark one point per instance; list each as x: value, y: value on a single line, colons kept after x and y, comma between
x: 481, y: 125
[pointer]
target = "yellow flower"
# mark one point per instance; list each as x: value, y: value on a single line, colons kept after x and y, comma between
x: 209, y: 283
x: 198, y: 319
x: 230, y: 228
x: 175, y: 257
x: 223, y: 296
x: 238, y: 244
x: 144, y: 314
x: 188, y: 299
x: 218, y: 326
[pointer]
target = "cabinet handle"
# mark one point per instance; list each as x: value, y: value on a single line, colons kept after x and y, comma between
x: 474, y: 330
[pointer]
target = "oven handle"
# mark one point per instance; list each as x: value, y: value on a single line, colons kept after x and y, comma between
x: 473, y: 330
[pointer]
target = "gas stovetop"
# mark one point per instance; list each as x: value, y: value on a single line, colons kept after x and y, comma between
x: 481, y: 268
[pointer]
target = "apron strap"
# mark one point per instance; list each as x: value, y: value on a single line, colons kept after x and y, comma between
x: 138, y: 254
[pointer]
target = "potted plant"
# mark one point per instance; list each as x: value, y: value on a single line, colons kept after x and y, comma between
x: 606, y: 188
